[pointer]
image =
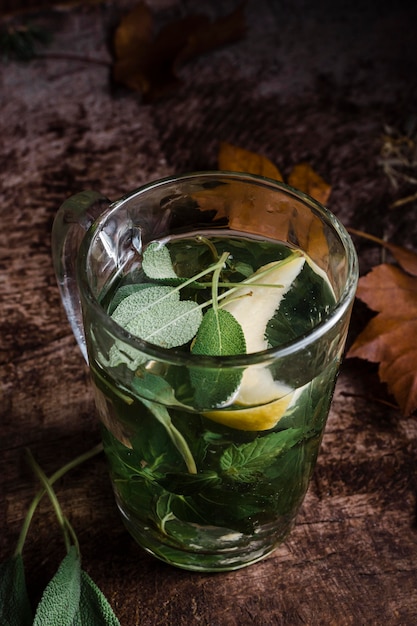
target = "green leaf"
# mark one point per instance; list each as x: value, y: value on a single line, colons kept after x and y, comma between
x: 94, y: 609
x: 155, y: 388
x: 162, y: 415
x: 157, y: 262
x: 15, y: 609
x: 61, y: 599
x: 123, y: 292
x: 159, y: 316
x: 219, y: 334
x: 245, y: 463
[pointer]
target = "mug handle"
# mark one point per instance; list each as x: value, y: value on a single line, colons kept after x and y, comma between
x: 73, y: 219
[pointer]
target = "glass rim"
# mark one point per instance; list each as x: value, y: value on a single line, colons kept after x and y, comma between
x: 176, y: 356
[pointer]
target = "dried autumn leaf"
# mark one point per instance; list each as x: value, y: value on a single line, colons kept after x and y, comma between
x: 238, y: 159
x: 404, y: 257
x: 279, y: 217
x: 390, y: 338
x: 132, y: 39
x: 304, y: 178
x: 148, y: 63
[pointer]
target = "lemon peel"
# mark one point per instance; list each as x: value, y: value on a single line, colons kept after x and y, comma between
x: 262, y: 417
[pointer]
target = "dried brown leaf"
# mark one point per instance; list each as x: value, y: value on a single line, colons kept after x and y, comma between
x: 148, y: 63
x: 407, y: 259
x: 304, y: 178
x: 238, y: 159
x: 277, y: 217
x: 390, y: 338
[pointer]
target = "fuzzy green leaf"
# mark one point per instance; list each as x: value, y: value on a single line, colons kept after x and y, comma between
x: 15, y: 609
x: 245, y: 463
x: 94, y: 608
x: 159, y: 316
x: 157, y: 262
x: 219, y: 335
x: 123, y: 292
x: 61, y: 599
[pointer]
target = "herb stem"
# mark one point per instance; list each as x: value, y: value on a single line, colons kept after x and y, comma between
x: 53, y: 478
x: 52, y: 496
x: 210, y: 245
x: 215, y: 281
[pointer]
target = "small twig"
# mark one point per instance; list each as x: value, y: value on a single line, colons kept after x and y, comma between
x: 403, y: 201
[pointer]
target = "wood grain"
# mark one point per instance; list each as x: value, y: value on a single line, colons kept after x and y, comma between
x: 304, y: 85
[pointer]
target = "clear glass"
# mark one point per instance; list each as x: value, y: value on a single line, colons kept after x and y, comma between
x: 201, y: 483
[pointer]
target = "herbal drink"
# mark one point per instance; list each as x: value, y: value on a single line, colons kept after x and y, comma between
x: 212, y: 309
x: 209, y: 464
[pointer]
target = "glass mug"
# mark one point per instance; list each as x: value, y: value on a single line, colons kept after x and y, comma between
x: 210, y: 449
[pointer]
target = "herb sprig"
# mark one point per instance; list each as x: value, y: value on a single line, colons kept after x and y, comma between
x: 71, y: 598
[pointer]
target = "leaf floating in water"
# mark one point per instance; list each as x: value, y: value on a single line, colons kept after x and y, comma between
x: 219, y: 335
x: 157, y: 262
x: 159, y: 316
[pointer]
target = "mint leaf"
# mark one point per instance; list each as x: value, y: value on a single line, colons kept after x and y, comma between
x: 220, y: 334
x: 156, y: 262
x: 94, y: 608
x: 61, y: 599
x: 15, y: 609
x: 245, y: 463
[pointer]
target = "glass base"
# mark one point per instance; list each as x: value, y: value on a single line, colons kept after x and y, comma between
x: 223, y: 550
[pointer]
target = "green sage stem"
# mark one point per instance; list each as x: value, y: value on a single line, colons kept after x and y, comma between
x: 53, y: 478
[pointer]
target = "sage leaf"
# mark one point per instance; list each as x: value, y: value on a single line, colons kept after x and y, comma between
x: 159, y: 316
x: 156, y: 262
x: 220, y: 334
x: 156, y: 315
x: 61, y: 599
x: 94, y: 608
x: 15, y: 609
x: 246, y: 462
x: 123, y: 292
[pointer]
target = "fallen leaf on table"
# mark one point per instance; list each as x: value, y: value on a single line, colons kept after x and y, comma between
x: 278, y: 215
x: 404, y: 257
x: 303, y: 177
x: 390, y: 338
x: 149, y: 62
x: 240, y: 160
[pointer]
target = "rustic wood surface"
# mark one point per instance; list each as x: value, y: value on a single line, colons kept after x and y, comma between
x: 303, y: 85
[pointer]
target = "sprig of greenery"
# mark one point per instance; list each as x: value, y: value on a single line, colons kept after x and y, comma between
x: 71, y: 598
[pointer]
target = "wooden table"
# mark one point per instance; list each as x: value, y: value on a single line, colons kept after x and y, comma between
x: 303, y: 85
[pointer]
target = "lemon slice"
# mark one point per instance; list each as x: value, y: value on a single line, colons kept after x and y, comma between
x: 263, y: 400
x: 262, y: 417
